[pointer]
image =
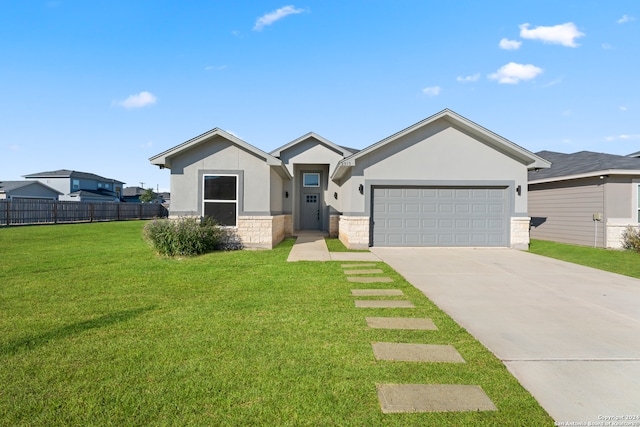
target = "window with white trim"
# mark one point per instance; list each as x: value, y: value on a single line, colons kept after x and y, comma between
x: 221, y: 199
x: 311, y: 180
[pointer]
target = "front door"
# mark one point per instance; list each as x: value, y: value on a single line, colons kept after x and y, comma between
x: 311, y: 211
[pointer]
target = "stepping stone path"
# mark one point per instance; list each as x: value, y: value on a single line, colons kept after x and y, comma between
x: 376, y: 292
x: 370, y: 279
x: 364, y: 271
x: 415, y: 323
x: 402, y: 398
x: 416, y: 352
x: 357, y: 265
x: 372, y: 303
x: 395, y: 398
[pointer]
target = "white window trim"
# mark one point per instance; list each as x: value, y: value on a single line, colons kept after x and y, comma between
x: 204, y: 177
x: 304, y: 175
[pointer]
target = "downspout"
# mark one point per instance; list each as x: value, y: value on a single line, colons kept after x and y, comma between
x: 604, y: 211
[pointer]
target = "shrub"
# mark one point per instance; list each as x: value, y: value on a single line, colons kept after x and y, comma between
x: 631, y: 238
x: 184, y: 236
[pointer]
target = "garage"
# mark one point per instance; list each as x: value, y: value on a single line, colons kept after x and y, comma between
x: 440, y: 216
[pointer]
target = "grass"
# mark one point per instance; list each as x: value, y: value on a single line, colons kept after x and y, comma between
x: 95, y: 329
x: 616, y: 261
x: 335, y: 245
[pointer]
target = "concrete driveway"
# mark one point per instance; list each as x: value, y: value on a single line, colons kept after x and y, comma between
x: 570, y: 334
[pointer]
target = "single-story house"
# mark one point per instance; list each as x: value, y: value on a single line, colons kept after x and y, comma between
x: 132, y: 195
x: 27, y: 190
x: 79, y: 186
x: 584, y: 198
x: 445, y: 181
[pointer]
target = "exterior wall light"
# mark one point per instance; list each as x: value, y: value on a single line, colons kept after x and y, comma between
x: 519, y: 190
x: 335, y: 196
x: 286, y: 194
x: 361, y: 189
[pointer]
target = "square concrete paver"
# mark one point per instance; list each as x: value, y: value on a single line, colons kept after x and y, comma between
x: 397, y: 398
x: 417, y: 323
x: 372, y: 303
x: 402, y: 352
x: 370, y: 279
x: 376, y: 292
x: 358, y: 265
x: 364, y: 271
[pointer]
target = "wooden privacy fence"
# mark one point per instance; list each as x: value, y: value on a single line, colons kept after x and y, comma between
x: 38, y: 211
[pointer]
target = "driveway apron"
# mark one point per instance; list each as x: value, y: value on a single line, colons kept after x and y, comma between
x: 570, y: 334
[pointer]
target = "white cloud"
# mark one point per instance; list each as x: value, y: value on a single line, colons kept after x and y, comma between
x: 513, y: 73
x: 606, y: 46
x: 564, y: 34
x: 431, y: 90
x: 276, y: 15
x: 507, y: 44
x: 14, y: 147
x: 147, y: 144
x: 624, y: 137
x: 553, y: 82
x: 139, y: 100
x: 215, y: 67
x: 468, y: 79
x: 623, y: 108
x: 625, y: 19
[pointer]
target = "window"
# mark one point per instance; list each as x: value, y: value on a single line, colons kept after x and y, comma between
x: 76, y: 184
x: 221, y: 198
x: 311, y: 180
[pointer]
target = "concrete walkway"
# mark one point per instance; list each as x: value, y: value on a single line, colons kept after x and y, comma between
x: 570, y: 334
x: 310, y: 246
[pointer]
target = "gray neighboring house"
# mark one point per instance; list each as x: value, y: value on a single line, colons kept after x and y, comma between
x: 585, y: 198
x: 445, y: 181
x: 81, y: 186
x: 11, y: 190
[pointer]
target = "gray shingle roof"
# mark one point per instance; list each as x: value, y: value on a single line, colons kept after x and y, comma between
x: 66, y: 173
x: 6, y: 186
x: 582, y: 162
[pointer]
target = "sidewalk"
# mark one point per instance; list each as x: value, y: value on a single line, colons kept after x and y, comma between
x: 310, y: 246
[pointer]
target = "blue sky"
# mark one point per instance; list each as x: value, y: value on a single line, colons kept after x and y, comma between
x: 102, y: 86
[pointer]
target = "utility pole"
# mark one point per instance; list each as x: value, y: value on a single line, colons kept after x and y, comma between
x: 142, y: 185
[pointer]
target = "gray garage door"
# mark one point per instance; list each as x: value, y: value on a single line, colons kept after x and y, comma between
x: 439, y: 216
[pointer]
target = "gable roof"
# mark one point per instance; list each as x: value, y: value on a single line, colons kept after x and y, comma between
x: 163, y: 160
x: 343, y: 151
x: 584, y: 164
x: 499, y: 143
x: 66, y: 173
x: 7, y: 186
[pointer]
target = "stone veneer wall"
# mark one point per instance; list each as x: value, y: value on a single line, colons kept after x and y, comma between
x: 520, y: 232
x: 334, y: 221
x: 262, y: 232
x: 614, y: 234
x: 353, y: 231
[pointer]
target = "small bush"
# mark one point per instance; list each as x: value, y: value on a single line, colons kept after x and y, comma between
x: 631, y: 238
x: 183, y: 236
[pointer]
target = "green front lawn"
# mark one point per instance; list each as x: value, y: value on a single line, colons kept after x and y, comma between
x: 616, y: 261
x: 95, y: 329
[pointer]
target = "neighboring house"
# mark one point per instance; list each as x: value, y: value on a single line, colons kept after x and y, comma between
x: 585, y: 198
x: 81, y: 186
x: 132, y: 195
x: 27, y: 190
x: 444, y: 181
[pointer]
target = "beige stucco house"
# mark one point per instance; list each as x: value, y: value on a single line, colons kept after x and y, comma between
x: 445, y: 181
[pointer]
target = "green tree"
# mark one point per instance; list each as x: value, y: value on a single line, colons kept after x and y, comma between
x: 148, y: 196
